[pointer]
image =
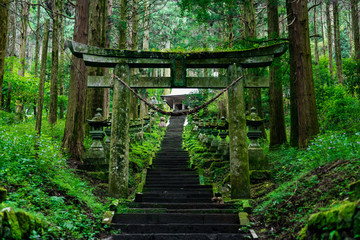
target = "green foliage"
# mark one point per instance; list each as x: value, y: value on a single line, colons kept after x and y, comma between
x: 338, y: 110
x: 351, y: 72
x: 41, y: 181
x: 24, y: 89
x: 309, y: 180
x: 8, y: 118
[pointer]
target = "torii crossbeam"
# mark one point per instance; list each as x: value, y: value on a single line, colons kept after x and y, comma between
x: 178, y: 62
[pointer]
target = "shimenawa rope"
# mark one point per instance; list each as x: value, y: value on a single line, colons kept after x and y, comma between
x: 181, y: 112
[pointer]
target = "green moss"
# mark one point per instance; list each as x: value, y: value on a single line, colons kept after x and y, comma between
x: 355, y: 189
x: 98, y: 175
x: 303, y: 233
x: 3, y: 194
x: 356, y: 226
x: 337, y: 218
x: 1, y: 223
x: 24, y: 221
x: 11, y: 221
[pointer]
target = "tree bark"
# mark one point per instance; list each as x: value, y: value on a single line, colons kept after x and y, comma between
x: 54, y: 64
x: 123, y: 24
x: 61, y: 61
x: 329, y: 37
x: 3, y: 36
x: 74, y: 132
x: 277, y: 116
x: 355, y: 27
x: 134, y: 45
x: 322, y: 29
x: 23, y: 36
x: 37, y: 40
x: 97, y: 37
x: 40, y: 100
x: 302, y: 79
x: 339, y: 71
x: 250, y: 33
x: 316, y: 49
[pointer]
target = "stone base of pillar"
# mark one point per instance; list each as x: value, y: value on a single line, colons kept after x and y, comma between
x: 257, y: 160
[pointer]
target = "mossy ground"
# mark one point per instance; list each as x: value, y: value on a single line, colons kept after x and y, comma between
x: 302, y: 182
x: 284, y: 210
x: 46, y: 184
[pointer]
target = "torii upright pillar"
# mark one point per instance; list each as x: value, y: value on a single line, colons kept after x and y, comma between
x: 239, y: 161
x: 119, y: 146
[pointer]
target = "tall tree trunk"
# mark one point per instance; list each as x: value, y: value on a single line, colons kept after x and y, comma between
x: 316, y: 49
x: 329, y: 37
x: 339, y: 71
x: 74, y: 126
x: 109, y: 23
x: 23, y: 35
x: 12, y: 53
x: 146, y: 43
x: 277, y: 116
x: 134, y: 45
x: 97, y: 37
x: 61, y: 75
x: 307, y: 122
x: 322, y: 29
x: 3, y: 36
x: 37, y: 40
x: 40, y: 100
x: 123, y: 24
x: 250, y: 33
x: 54, y: 64
x: 355, y: 28
x: 230, y: 37
x: 13, y: 27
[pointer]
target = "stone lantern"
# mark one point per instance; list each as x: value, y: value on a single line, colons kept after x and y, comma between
x: 96, y: 154
x: 162, y: 123
x: 223, y: 148
x: 108, y: 135
x: 257, y: 160
x: 201, y: 135
x: 215, y: 133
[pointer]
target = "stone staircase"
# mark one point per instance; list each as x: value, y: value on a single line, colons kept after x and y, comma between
x: 174, y: 205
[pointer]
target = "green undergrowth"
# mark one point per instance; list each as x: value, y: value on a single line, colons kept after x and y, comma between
x: 305, y: 182
x: 41, y: 183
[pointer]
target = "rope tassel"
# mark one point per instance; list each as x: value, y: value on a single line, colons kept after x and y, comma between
x: 182, y: 112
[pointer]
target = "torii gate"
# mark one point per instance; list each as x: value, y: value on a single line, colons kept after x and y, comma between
x: 123, y: 60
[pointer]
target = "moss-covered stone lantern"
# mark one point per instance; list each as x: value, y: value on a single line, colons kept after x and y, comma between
x: 96, y: 154
x: 108, y: 135
x: 257, y: 160
x: 223, y: 148
x: 162, y: 123
x: 215, y: 133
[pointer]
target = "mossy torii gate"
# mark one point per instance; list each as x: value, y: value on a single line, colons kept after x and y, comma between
x: 123, y: 60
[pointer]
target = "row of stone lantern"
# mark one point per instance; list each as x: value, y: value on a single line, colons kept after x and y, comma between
x: 98, y: 155
x: 213, y: 135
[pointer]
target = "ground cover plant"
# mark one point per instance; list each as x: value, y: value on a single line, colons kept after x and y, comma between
x: 39, y: 180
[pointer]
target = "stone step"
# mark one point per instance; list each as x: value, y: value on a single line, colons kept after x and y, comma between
x: 176, y: 200
x: 181, y: 236
x: 182, y: 205
x: 177, y: 186
x: 186, y: 170
x: 172, y: 181
x: 177, y: 228
x: 172, y: 218
x: 176, y: 210
x: 171, y: 178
